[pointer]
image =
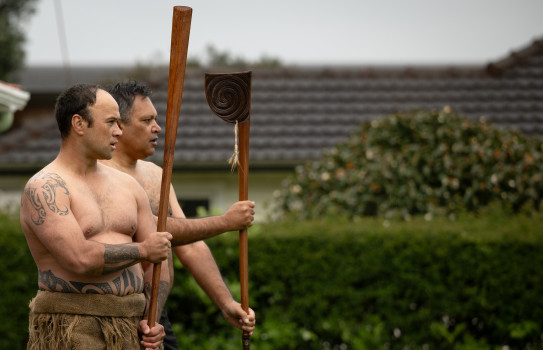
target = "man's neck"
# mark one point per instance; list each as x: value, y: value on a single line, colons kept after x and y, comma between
x: 71, y: 158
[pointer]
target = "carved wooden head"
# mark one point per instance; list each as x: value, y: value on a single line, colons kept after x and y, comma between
x: 229, y: 95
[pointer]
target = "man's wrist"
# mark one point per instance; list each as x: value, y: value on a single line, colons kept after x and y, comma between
x: 143, y: 251
x: 224, y: 224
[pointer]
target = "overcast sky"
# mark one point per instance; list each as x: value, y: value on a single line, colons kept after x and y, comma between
x: 366, y: 32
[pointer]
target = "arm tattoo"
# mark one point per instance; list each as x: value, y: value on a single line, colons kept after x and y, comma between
x: 38, y: 217
x: 163, y: 291
x: 49, y: 193
x: 125, y: 284
x: 118, y: 257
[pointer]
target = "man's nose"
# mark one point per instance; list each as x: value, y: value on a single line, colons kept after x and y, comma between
x: 118, y: 131
x: 156, y: 128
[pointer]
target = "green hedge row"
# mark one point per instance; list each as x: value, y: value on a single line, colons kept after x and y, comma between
x: 19, y: 278
x: 474, y: 283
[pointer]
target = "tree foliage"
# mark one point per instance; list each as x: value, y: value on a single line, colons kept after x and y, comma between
x: 150, y: 70
x: 217, y: 58
x: 12, y: 36
x: 423, y: 162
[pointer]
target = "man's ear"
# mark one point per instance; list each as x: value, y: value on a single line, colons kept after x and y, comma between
x: 79, y: 124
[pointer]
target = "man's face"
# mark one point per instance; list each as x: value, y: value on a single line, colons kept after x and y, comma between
x: 140, y: 135
x: 105, y: 131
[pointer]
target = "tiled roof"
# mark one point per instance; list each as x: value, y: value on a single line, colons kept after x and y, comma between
x: 298, y: 111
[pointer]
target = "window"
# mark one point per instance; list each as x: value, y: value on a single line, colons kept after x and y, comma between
x: 190, y: 206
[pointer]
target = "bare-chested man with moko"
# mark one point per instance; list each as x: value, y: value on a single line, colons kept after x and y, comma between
x: 91, y: 232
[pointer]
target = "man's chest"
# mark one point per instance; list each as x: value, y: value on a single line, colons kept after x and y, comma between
x: 104, y: 209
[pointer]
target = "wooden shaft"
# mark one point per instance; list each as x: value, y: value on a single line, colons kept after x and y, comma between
x: 229, y: 97
x: 243, y: 177
x: 182, y: 16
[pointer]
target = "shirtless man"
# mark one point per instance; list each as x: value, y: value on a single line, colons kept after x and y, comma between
x: 140, y: 135
x: 88, y: 227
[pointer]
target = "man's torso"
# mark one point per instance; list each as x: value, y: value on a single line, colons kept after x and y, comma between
x: 105, y: 210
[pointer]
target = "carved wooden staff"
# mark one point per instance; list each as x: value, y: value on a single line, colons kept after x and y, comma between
x: 182, y: 16
x: 229, y: 97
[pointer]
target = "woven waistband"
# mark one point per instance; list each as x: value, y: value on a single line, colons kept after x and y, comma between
x: 88, y: 304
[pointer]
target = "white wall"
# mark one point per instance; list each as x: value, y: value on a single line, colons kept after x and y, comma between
x: 221, y: 188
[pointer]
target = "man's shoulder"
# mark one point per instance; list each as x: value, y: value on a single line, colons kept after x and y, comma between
x: 147, y: 166
x: 114, y: 172
x: 48, y: 175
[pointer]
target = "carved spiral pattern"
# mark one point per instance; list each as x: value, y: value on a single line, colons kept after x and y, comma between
x: 229, y: 95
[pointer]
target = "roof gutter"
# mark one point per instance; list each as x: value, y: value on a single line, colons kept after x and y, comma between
x: 12, y: 99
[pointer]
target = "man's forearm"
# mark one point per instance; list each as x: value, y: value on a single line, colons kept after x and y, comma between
x: 197, y: 258
x: 186, y: 231
x: 98, y: 262
x: 118, y: 257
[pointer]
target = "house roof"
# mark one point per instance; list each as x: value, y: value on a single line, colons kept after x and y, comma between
x: 296, y: 112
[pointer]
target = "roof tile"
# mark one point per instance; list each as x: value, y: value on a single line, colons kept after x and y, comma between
x: 297, y: 112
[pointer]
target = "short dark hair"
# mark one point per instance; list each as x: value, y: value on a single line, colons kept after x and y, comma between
x: 125, y: 93
x: 74, y: 100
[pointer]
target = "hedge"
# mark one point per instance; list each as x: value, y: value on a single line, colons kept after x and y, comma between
x: 470, y: 284
x: 19, y: 278
x: 473, y: 283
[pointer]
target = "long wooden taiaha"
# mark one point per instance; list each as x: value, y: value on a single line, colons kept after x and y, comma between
x: 182, y: 17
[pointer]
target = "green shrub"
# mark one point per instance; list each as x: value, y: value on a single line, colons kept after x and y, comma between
x: 424, y: 162
x: 468, y: 284
x: 473, y: 283
x: 19, y: 275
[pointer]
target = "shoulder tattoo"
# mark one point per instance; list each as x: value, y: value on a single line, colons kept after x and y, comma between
x: 46, y: 196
